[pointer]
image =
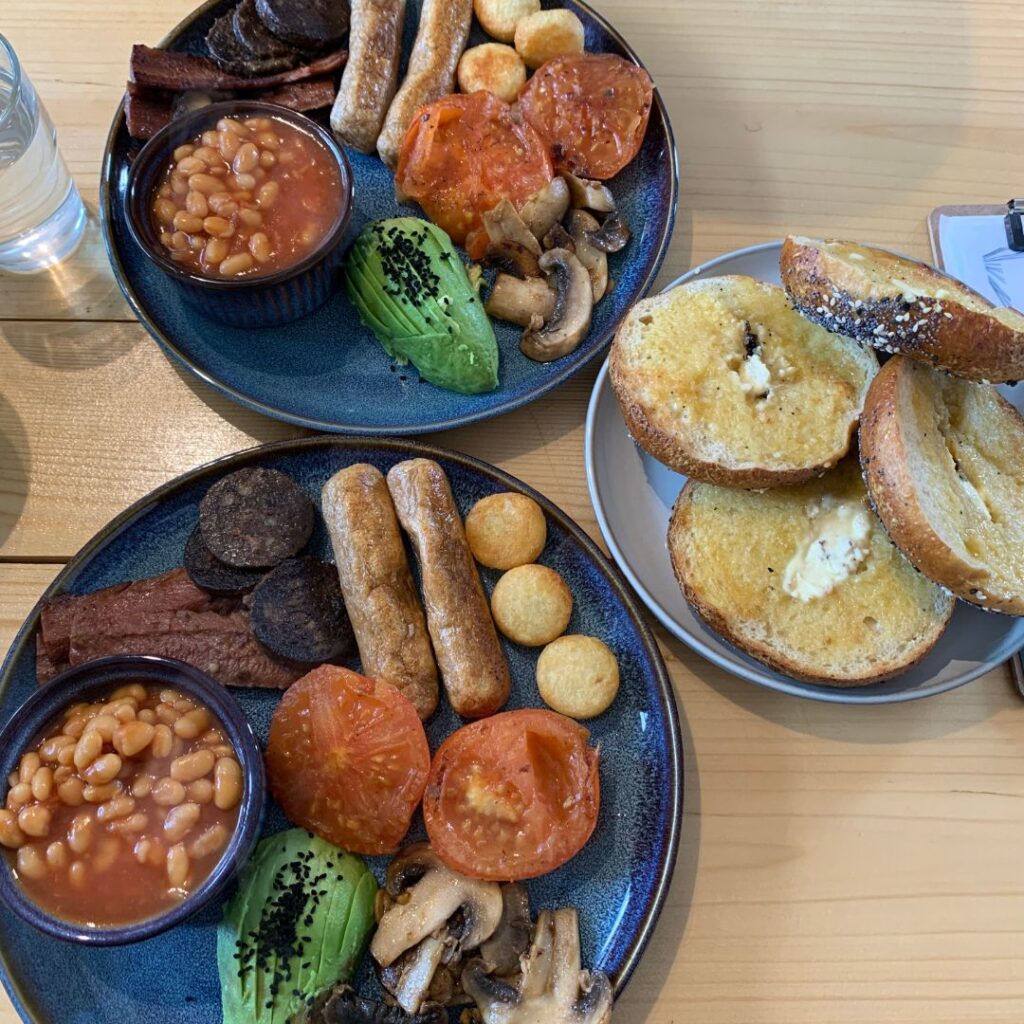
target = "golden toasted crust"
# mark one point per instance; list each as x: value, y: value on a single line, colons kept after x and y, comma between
x: 505, y: 530
x: 578, y: 676
x: 942, y: 460
x: 900, y: 305
x: 807, y: 423
x: 531, y: 605
x: 874, y: 625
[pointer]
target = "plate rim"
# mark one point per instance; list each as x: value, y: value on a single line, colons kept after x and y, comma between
x: 23, y: 1001
x: 272, y: 411
x: 754, y: 673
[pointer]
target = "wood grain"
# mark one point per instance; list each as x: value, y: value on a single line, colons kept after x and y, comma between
x: 839, y: 865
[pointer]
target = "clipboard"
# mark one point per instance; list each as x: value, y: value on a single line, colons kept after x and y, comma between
x: 934, y: 218
x: 981, y: 257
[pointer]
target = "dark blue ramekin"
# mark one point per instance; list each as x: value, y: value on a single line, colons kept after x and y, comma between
x: 97, y: 679
x: 267, y: 300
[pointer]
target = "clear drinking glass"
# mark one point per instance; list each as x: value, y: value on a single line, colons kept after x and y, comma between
x: 41, y: 213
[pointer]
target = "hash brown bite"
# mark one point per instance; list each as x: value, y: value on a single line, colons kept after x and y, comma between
x: 805, y: 579
x: 943, y: 460
x: 256, y: 518
x: 721, y: 379
x: 901, y: 305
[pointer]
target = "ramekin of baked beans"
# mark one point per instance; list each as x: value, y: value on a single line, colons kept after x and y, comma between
x: 132, y: 790
x: 241, y: 196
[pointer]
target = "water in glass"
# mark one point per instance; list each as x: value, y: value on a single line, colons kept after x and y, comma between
x: 41, y: 214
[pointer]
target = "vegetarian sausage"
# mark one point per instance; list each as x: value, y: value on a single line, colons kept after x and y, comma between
x: 440, y: 39
x: 371, y: 74
x: 472, y: 663
x: 377, y: 584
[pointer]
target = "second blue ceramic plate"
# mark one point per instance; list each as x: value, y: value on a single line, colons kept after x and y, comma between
x: 327, y: 371
x: 618, y: 882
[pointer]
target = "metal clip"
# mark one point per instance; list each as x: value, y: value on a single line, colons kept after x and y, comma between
x: 1014, y: 224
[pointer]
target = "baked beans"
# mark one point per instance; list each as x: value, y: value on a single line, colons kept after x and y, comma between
x: 247, y: 198
x: 124, y: 805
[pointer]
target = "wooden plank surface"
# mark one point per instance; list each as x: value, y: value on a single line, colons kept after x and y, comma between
x: 839, y: 866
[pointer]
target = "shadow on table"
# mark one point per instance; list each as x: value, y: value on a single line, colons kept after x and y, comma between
x: 70, y: 345
x: 82, y: 287
x: 262, y: 429
x: 639, y: 998
x: 538, y: 424
x: 924, y: 719
x: 14, y: 468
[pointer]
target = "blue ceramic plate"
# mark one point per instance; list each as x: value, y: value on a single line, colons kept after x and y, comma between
x: 327, y: 371
x: 618, y: 881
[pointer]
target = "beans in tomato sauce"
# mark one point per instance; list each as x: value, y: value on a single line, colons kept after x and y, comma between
x: 247, y: 198
x: 123, y: 807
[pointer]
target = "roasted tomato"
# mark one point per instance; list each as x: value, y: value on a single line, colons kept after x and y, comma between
x: 512, y: 796
x: 347, y: 759
x: 591, y: 110
x: 461, y: 156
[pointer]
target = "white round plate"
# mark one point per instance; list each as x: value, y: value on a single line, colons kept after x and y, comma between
x: 633, y: 495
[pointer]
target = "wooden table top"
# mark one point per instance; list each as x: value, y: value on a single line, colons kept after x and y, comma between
x: 838, y: 865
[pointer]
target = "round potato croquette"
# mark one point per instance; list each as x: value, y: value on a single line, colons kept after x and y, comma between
x: 499, y: 18
x: 505, y: 530
x: 545, y: 35
x: 577, y: 676
x: 531, y: 605
x: 494, y: 68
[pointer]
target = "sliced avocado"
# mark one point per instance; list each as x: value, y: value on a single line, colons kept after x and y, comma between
x: 298, y: 925
x: 411, y: 289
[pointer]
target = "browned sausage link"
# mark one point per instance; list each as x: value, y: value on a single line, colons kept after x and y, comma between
x: 440, y: 39
x: 472, y: 663
x: 371, y: 74
x: 377, y: 584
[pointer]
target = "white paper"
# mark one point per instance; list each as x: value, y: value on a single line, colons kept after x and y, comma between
x: 974, y: 251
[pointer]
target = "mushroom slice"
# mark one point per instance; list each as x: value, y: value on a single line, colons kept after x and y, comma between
x: 613, y: 235
x: 504, y: 950
x: 512, y: 258
x: 581, y: 225
x: 343, y: 1006
x: 570, y: 318
x: 553, y: 989
x: 503, y: 224
x: 559, y: 238
x: 437, y: 914
x: 519, y: 301
x: 590, y: 195
x: 546, y: 208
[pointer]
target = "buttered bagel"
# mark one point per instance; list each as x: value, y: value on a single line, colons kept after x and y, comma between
x: 805, y: 579
x: 721, y: 379
x: 944, y: 462
x: 901, y: 305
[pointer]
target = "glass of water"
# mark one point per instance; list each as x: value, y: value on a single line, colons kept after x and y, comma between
x: 41, y: 213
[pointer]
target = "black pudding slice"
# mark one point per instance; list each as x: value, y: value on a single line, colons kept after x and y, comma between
x: 210, y: 573
x: 309, y: 24
x: 297, y: 612
x: 231, y: 56
x: 256, y: 518
x: 263, y: 45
